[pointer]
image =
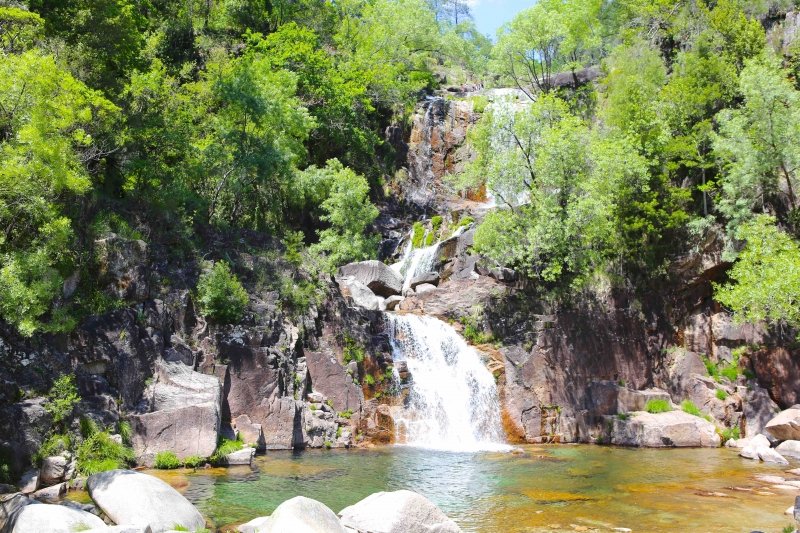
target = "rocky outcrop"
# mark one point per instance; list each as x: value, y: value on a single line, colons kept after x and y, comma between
x: 185, y: 416
x: 297, y: 514
x: 128, y: 497
x: 758, y: 448
x: 402, y: 511
x: 123, y: 267
x: 436, y: 147
x: 671, y: 429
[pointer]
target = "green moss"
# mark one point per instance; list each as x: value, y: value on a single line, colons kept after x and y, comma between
x: 657, y: 406
x: 167, y: 460
x: 721, y: 394
x: 465, y: 221
x: 417, y: 235
x: 436, y: 223
x: 623, y: 416
x: 347, y: 413
x: 369, y: 380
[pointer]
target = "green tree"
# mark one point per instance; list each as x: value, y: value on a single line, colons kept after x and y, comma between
x: 19, y: 29
x: 52, y: 130
x: 550, y: 37
x: 759, y: 144
x: 221, y: 295
x: 765, y: 280
x: 348, y: 214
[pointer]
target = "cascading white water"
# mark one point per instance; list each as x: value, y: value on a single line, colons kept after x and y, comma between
x: 415, y: 262
x: 453, y: 402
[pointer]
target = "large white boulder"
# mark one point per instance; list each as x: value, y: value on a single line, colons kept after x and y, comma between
x: 361, y: 295
x: 673, y: 428
x: 786, y: 425
x: 758, y: 448
x: 401, y: 511
x: 789, y: 447
x: 50, y: 518
x: 298, y: 515
x: 128, y: 497
x: 380, y: 278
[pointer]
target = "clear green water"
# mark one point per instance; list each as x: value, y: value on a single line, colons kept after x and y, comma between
x: 543, y: 489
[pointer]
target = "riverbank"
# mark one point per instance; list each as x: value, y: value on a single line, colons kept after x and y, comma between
x: 546, y: 488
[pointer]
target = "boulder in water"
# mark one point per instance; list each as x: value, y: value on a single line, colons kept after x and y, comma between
x: 240, y: 457
x: 786, y: 425
x: 789, y: 447
x: 50, y: 518
x: 752, y: 445
x: 128, y: 497
x: 401, y: 511
x: 300, y: 514
x: 392, y: 302
x: 380, y: 278
x: 674, y: 428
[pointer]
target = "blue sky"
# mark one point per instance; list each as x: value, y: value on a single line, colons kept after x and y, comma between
x: 489, y: 15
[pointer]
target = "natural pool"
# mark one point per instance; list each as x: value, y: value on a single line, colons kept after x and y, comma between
x: 546, y: 488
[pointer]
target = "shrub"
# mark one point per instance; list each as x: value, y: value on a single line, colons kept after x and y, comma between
x: 167, y: 460
x: 730, y: 433
x: 369, y: 380
x: 53, y: 445
x: 352, y: 351
x: 730, y: 371
x: 226, y: 446
x: 657, y: 406
x: 100, y: 452
x: 61, y: 398
x: 193, y: 461
x: 721, y: 394
x: 623, y: 416
x: 221, y: 295
x: 125, y: 431
x: 465, y: 221
x: 436, y: 223
x: 347, y: 413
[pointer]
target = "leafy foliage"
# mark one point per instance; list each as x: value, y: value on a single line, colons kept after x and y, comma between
x: 765, y: 281
x: 62, y: 398
x: 221, y: 295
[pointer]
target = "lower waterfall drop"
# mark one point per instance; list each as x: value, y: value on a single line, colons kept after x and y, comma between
x: 453, y: 403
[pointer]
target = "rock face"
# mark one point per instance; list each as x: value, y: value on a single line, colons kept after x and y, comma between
x: 282, y: 423
x: 381, y: 280
x: 402, y: 511
x: 128, y: 497
x: 299, y: 514
x: 123, y: 267
x: 50, y: 518
x: 185, y: 418
x: 674, y: 428
x: 785, y: 426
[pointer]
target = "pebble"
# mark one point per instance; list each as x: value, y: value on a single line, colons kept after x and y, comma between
x: 622, y: 529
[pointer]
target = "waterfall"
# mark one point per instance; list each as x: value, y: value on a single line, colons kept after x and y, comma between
x: 415, y: 262
x: 453, y: 402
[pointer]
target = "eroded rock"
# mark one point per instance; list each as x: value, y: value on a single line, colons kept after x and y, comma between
x: 674, y: 428
x: 786, y: 425
x: 378, y: 277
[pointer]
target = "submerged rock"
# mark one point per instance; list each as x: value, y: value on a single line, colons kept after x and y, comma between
x: 240, y: 457
x: 674, y: 428
x: 758, y: 448
x: 128, y: 497
x: 51, y: 518
x: 401, y: 511
x: 785, y: 426
x: 789, y: 447
x: 300, y: 514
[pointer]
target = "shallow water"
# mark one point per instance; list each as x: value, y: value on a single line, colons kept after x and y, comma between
x: 551, y: 488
